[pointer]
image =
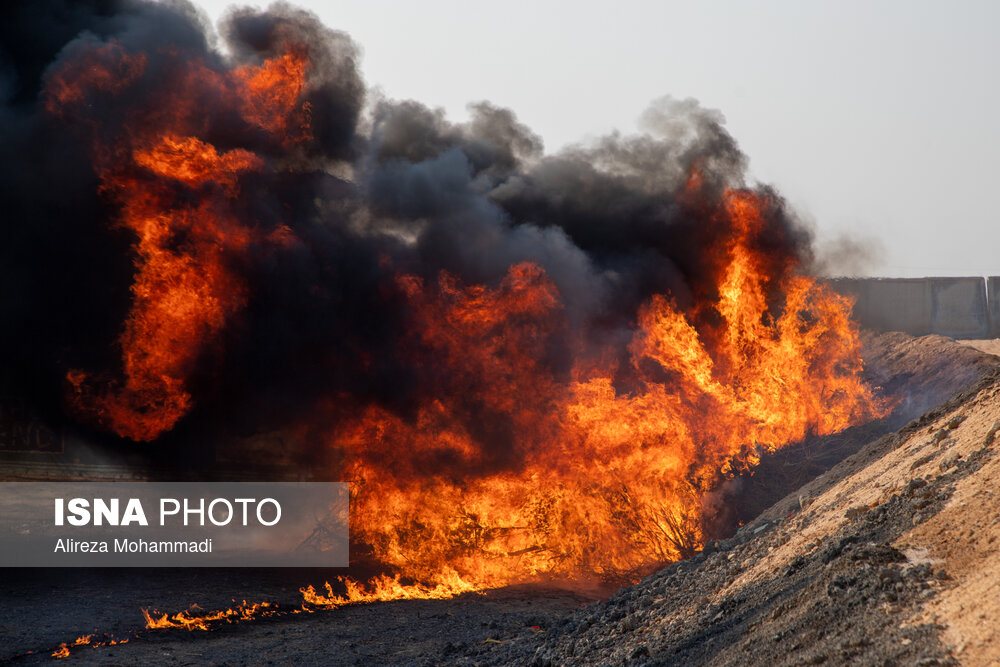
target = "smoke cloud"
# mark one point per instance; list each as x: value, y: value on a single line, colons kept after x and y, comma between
x: 378, y: 189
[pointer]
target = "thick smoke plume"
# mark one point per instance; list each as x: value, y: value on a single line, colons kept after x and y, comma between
x: 372, y: 189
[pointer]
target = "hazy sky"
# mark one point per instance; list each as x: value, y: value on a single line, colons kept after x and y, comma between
x: 874, y: 119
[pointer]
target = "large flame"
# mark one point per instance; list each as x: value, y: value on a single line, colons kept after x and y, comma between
x: 607, y: 480
x: 530, y: 448
x: 179, y: 195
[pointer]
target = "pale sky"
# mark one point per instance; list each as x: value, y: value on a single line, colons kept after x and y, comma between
x: 876, y: 119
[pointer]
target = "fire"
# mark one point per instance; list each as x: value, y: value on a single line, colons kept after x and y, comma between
x: 384, y: 588
x: 179, y: 195
x: 602, y: 469
x: 194, y: 621
x: 271, y: 93
x: 86, y: 640
x: 532, y: 443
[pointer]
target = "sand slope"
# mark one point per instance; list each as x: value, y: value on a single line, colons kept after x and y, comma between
x: 892, y: 557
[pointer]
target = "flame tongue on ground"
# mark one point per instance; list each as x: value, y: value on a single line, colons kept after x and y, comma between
x: 383, y: 588
x: 63, y: 651
x: 188, y: 620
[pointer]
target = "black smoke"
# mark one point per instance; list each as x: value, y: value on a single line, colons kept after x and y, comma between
x: 383, y: 187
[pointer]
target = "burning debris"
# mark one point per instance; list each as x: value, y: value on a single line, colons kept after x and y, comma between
x: 527, y: 365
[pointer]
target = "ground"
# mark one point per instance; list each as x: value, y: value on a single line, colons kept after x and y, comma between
x: 888, y: 557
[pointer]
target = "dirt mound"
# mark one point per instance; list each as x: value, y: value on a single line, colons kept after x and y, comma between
x: 888, y: 558
x: 915, y: 374
x: 989, y: 345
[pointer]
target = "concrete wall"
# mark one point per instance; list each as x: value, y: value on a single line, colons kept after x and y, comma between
x: 993, y: 302
x: 955, y: 307
x: 959, y: 308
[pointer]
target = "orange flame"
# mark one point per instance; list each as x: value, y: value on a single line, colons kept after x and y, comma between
x: 384, y: 588
x: 187, y: 621
x: 513, y: 463
x: 84, y: 640
x: 609, y: 473
x: 271, y: 93
x: 178, y: 195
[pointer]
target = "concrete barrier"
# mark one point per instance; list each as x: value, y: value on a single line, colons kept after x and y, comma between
x: 958, y: 307
x: 954, y: 307
x: 993, y: 301
x: 889, y: 304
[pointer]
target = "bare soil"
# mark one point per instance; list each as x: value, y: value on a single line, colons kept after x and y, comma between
x: 989, y: 345
x: 886, y: 555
